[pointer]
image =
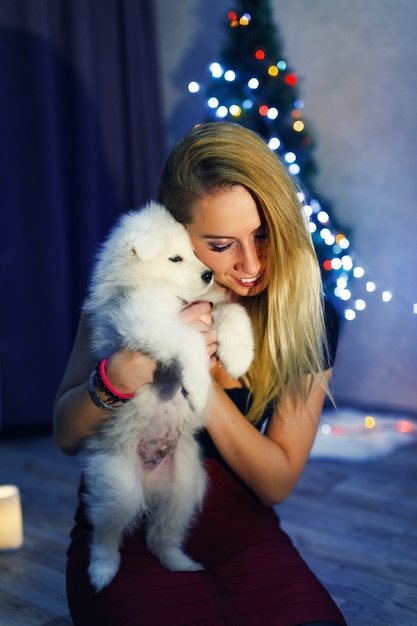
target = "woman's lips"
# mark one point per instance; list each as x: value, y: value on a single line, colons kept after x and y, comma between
x: 249, y: 282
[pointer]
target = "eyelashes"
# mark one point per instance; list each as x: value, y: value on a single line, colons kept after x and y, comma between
x: 218, y: 247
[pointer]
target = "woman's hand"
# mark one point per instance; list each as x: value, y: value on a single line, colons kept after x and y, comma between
x: 198, y: 315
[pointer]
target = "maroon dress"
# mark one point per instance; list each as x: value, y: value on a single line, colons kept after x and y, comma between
x: 253, y: 574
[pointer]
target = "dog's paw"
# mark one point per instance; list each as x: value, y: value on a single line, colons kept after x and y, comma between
x: 196, y: 389
x: 236, y: 362
x: 102, y: 571
x: 235, y: 338
x: 176, y: 560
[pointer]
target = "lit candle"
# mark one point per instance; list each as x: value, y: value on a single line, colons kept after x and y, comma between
x: 11, y: 524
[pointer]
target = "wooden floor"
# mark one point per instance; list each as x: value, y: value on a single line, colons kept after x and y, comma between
x: 355, y: 524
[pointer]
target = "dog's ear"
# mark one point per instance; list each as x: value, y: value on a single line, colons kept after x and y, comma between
x: 145, y: 247
x: 146, y: 230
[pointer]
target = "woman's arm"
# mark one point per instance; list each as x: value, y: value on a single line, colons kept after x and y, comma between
x: 75, y: 416
x: 269, y: 464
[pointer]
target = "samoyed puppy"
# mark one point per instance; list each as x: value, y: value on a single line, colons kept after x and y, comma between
x: 143, y: 465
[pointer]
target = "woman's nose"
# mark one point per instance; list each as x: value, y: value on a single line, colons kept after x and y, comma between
x: 249, y: 261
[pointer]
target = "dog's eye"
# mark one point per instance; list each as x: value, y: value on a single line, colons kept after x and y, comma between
x: 175, y: 259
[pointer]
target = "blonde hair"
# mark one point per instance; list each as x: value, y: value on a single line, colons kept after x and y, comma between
x: 287, y: 317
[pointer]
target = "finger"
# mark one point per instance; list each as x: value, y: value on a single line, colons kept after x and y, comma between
x: 195, y: 310
x: 210, y: 337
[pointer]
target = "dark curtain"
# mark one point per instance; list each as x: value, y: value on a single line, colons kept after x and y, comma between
x: 81, y: 140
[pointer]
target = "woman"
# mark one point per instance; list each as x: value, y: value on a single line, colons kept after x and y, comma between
x: 244, y: 218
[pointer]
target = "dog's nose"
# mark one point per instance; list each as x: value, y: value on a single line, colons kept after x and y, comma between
x: 207, y: 276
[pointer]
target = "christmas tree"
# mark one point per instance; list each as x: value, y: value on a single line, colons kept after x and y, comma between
x: 251, y: 84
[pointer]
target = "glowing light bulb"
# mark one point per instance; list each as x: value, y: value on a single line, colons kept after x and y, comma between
x: 358, y: 272
x: 350, y: 314
x: 294, y: 169
x: 216, y: 70
x: 299, y: 104
x: 230, y: 76
x: 370, y: 421
x: 291, y: 79
x: 222, y: 111
x: 212, y: 103
x: 290, y: 157
x: 323, y: 217
x: 313, y: 228
x: 193, y: 87
x: 326, y: 429
x: 253, y: 83
x: 370, y: 286
x: 260, y: 54
x: 298, y: 126
x: 343, y: 294
x: 235, y: 110
x: 415, y: 308
x: 272, y: 113
x: 273, y: 70
x: 281, y: 65
x: 386, y: 296
x: 247, y: 104
x: 360, y: 304
x: 274, y: 143
x: 336, y: 264
x: 404, y: 426
x: 347, y: 263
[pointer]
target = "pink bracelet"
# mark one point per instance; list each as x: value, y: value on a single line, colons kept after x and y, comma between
x: 109, y: 386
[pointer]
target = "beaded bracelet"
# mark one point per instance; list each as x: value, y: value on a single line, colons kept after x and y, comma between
x: 92, y: 390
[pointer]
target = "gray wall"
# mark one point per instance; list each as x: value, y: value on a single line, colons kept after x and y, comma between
x: 357, y: 64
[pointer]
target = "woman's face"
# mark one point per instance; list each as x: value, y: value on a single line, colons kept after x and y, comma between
x: 229, y: 236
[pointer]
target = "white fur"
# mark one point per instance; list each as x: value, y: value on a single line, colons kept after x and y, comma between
x: 144, y: 463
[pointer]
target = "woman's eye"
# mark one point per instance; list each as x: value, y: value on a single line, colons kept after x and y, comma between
x: 219, y: 247
x: 261, y: 235
x: 175, y: 259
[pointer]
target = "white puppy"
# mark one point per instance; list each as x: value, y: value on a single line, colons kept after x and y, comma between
x: 143, y: 465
